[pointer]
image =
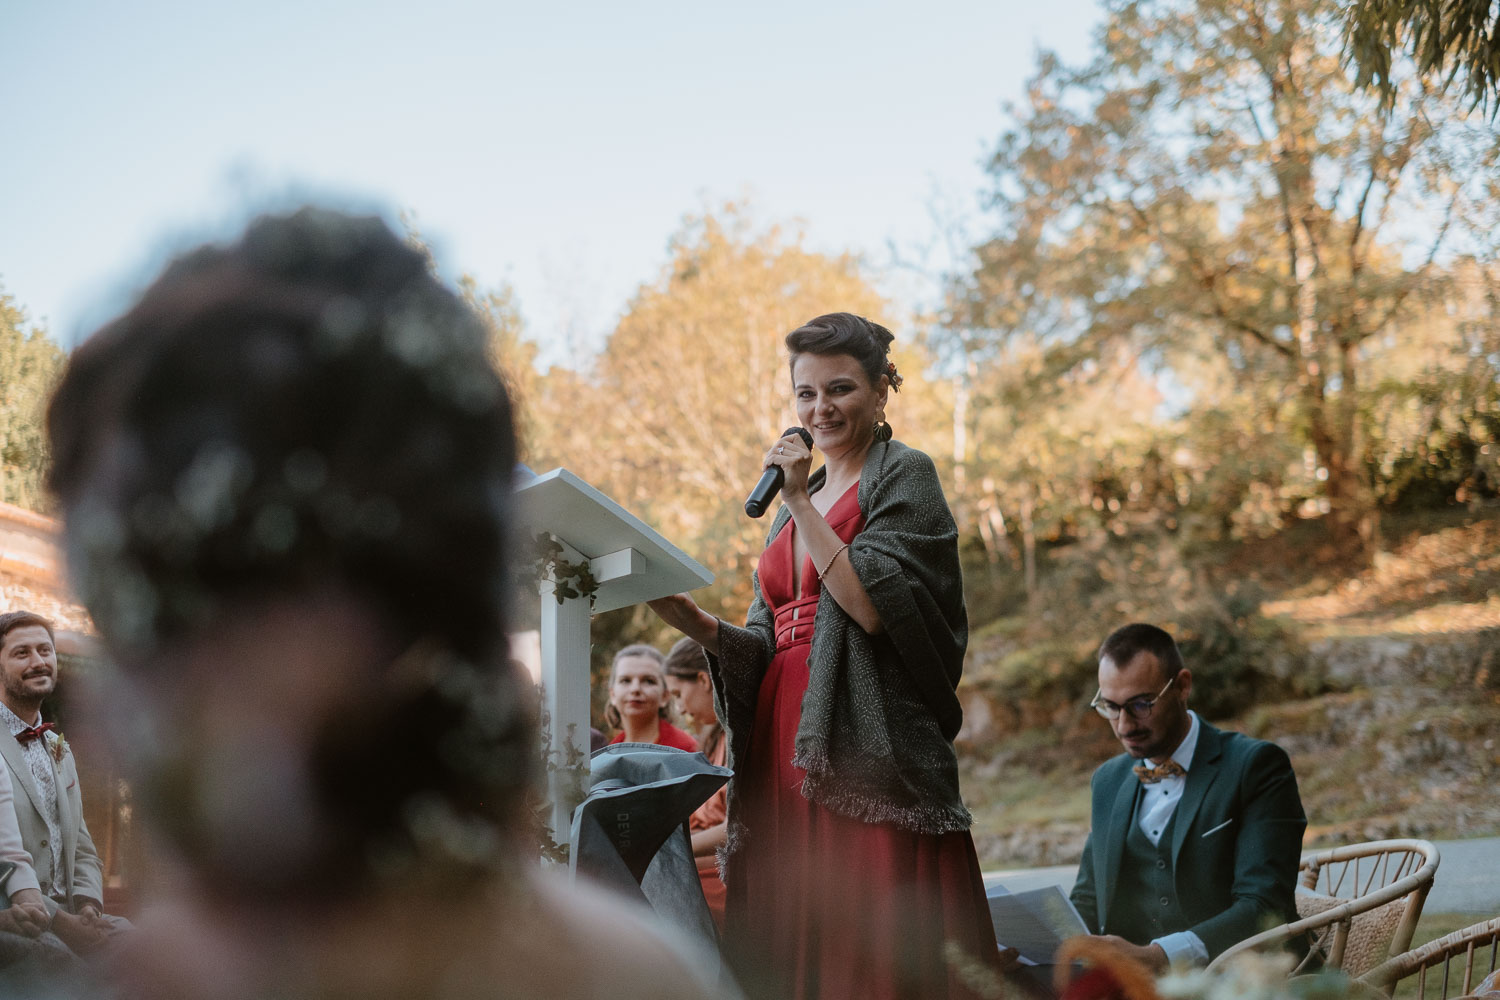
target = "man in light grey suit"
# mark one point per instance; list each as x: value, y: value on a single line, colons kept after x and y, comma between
x: 48, y: 801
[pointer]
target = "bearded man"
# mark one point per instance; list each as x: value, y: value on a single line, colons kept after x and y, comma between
x: 48, y: 800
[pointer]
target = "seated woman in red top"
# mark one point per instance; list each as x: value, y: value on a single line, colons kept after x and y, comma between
x: 639, y: 700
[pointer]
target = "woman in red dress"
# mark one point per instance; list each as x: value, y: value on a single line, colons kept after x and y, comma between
x: 639, y: 701
x: 851, y: 871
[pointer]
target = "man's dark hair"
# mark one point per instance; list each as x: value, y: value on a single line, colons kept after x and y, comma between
x: 1129, y: 641
x: 309, y: 408
x: 12, y: 620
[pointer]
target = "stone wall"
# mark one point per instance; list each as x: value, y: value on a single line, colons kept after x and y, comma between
x: 32, y: 576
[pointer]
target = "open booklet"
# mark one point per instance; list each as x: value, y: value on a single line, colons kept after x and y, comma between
x: 1034, y: 922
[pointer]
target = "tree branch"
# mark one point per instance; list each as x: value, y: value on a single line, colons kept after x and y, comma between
x: 1421, y: 272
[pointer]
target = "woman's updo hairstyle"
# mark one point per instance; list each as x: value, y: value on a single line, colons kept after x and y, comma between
x: 845, y: 333
x: 309, y: 409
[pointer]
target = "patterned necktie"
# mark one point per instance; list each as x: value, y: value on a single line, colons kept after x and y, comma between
x: 1151, y: 775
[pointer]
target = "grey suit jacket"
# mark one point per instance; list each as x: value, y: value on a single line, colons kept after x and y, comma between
x: 1236, y: 841
x: 82, y: 874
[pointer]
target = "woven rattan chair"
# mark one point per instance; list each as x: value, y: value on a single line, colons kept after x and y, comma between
x: 1359, y: 905
x: 1435, y: 963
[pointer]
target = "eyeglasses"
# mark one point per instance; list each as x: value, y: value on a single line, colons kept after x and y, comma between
x: 1137, y: 708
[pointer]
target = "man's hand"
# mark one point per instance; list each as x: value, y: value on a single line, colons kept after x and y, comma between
x: 90, y: 913
x: 1149, y: 955
x: 27, y: 914
x: 81, y: 933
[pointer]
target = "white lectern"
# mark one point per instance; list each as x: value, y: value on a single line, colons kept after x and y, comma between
x: 631, y: 563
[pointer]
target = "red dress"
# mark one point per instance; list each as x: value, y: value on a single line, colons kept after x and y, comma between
x: 824, y: 905
x: 669, y: 736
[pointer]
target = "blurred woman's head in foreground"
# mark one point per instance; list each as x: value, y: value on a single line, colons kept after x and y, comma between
x: 286, y: 477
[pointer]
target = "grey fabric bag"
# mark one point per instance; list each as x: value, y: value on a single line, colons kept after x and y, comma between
x: 631, y: 830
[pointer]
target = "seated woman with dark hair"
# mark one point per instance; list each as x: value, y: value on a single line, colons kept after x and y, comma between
x: 687, y: 677
x: 286, y: 475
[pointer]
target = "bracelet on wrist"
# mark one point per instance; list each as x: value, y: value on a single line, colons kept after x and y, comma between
x: 831, y: 559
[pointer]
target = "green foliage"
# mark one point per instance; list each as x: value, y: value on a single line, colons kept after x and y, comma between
x: 1054, y: 671
x: 571, y: 774
x: 1436, y: 433
x: 1446, y: 38
x: 1239, y: 657
x: 30, y: 365
x: 569, y: 579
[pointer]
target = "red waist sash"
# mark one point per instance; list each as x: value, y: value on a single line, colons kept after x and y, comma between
x: 791, y: 630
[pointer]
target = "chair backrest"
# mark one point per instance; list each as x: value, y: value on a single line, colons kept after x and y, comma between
x: 1405, y: 869
x: 1358, y: 905
x: 1436, y: 963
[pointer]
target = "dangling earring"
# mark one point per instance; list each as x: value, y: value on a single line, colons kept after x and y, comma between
x: 882, y: 429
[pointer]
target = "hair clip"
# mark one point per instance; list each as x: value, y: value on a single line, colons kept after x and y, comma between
x: 892, y: 376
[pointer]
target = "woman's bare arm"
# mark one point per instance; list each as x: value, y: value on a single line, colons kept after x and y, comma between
x: 708, y: 840
x: 682, y: 613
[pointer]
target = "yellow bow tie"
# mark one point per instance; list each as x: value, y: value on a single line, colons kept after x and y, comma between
x: 1151, y: 775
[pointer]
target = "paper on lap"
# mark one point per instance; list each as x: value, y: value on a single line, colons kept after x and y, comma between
x: 1034, y: 922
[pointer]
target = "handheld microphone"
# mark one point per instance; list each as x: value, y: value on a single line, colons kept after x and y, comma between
x: 770, y: 481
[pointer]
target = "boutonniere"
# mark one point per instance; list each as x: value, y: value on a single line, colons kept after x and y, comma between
x: 58, y: 744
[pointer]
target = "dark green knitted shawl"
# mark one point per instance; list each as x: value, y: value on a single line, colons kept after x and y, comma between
x: 880, y: 713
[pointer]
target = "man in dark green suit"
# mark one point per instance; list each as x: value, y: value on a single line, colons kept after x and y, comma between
x: 1196, y: 832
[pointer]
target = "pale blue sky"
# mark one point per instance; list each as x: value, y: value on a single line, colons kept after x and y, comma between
x: 554, y: 146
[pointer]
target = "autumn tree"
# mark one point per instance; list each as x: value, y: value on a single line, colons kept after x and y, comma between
x: 1052, y: 455
x: 30, y: 365
x: 1212, y: 188
x: 511, y: 352
x: 1435, y: 435
x: 693, y: 386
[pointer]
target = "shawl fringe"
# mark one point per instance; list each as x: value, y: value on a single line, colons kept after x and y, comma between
x: 823, y: 786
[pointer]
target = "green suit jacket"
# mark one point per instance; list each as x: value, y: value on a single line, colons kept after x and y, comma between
x: 1236, y: 839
